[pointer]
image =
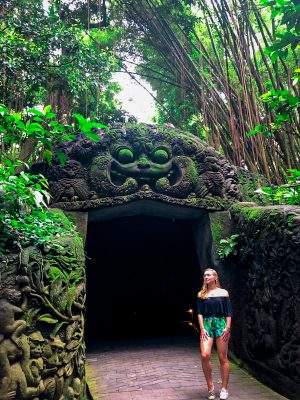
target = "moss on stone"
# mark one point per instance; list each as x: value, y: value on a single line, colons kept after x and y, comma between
x: 71, y: 216
x: 56, y: 275
x: 248, y: 184
x: 290, y: 220
x: 221, y: 228
x: 64, y: 219
x: 216, y: 228
x: 72, y: 240
x: 78, y: 221
x: 254, y: 213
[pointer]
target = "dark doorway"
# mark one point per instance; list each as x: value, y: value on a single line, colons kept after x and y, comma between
x: 142, y: 277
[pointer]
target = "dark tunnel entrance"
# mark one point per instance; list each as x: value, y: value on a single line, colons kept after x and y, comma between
x: 142, y: 277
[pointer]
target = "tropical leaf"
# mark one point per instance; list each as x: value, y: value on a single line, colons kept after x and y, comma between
x: 57, y: 328
x: 48, y: 318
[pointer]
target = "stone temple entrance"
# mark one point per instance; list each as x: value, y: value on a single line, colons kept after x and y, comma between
x: 142, y: 277
x: 144, y: 271
x: 148, y: 194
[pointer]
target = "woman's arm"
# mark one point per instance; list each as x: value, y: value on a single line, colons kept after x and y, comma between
x: 228, y: 322
x: 203, y: 332
x: 226, y: 331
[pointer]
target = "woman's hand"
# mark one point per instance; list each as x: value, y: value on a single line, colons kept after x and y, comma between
x: 203, y: 334
x: 225, y: 334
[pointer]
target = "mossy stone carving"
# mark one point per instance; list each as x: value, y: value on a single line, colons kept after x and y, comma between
x: 42, y: 297
x: 269, y: 259
x: 139, y: 161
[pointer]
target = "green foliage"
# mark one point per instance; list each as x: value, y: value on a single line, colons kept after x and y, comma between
x: 285, y: 105
x: 70, y: 278
x: 39, y: 126
x: 205, y: 61
x: 228, y: 246
x: 282, y: 101
x: 25, y: 219
x: 86, y: 127
x: 288, y: 193
x: 296, y: 77
x: 43, y: 132
x: 287, y: 15
x: 48, y: 318
x: 101, y: 105
x: 52, y: 53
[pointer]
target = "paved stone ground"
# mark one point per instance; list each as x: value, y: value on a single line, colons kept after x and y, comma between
x: 165, y: 368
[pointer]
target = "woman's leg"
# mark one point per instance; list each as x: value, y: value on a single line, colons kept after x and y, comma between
x: 222, y: 348
x: 205, y: 347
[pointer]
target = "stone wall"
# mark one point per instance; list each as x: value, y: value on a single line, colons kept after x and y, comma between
x: 42, y: 296
x: 264, y: 283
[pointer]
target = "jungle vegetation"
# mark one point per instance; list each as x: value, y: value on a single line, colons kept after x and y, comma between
x: 226, y: 70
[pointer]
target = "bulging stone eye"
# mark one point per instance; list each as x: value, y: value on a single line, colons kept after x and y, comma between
x: 160, y: 156
x: 125, y: 156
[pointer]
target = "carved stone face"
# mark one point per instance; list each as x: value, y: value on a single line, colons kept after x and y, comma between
x: 145, y: 157
x: 146, y: 167
x: 55, y: 352
x: 72, y: 169
x: 36, y: 367
x: 57, y: 355
x: 140, y: 161
x: 36, y: 342
x: 14, y: 296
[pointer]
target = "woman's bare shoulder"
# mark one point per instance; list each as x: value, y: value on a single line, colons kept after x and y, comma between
x: 223, y: 292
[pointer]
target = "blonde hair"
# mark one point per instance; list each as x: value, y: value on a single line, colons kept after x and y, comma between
x: 203, y: 292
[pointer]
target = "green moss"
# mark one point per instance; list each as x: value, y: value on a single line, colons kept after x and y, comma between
x: 290, y: 221
x: 216, y: 229
x: 236, y: 360
x: 162, y: 183
x: 261, y: 222
x: 194, y: 173
x: 249, y: 182
x: 250, y: 212
x: 255, y: 213
x: 221, y: 228
x: 64, y: 219
x: 72, y: 216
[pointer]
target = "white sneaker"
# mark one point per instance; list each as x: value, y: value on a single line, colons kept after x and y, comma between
x: 224, y: 394
x: 211, y: 395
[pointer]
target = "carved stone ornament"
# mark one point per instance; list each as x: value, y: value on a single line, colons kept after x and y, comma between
x: 42, y: 296
x: 269, y: 333
x: 134, y: 162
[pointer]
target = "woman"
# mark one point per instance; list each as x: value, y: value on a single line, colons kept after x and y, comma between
x: 214, y: 316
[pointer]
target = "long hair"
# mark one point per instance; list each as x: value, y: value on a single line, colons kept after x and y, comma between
x: 203, y: 292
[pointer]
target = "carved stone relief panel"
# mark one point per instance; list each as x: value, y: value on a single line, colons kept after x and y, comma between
x: 42, y: 300
x: 269, y: 251
x: 141, y: 161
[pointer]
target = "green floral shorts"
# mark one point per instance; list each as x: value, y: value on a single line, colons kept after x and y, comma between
x: 214, y: 326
